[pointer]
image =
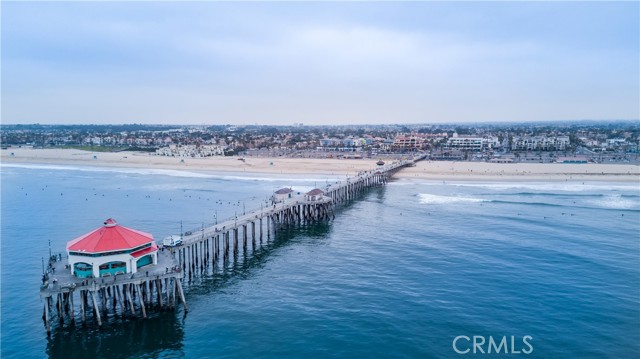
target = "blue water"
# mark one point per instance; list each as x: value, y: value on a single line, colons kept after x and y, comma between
x: 399, y: 273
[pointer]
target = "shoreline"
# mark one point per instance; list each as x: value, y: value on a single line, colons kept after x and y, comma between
x: 232, y: 166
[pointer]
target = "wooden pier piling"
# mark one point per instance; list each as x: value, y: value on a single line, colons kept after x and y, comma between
x: 198, y: 251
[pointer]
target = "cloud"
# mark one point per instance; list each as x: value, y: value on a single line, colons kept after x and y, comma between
x: 271, y: 63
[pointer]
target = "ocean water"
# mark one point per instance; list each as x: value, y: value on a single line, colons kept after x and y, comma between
x: 399, y: 273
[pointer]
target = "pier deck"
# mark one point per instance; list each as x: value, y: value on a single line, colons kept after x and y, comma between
x: 66, y: 282
x: 331, y: 194
x: 159, y: 286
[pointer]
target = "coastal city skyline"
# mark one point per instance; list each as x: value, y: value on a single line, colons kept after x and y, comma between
x: 569, y: 142
x: 318, y: 63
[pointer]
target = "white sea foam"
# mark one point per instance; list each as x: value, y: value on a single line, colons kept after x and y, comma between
x: 402, y: 182
x: 427, y: 198
x: 552, y: 187
x: 139, y: 171
x: 175, y: 173
x: 615, y: 201
x: 321, y: 182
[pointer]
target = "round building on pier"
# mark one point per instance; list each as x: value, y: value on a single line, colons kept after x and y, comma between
x: 110, y: 250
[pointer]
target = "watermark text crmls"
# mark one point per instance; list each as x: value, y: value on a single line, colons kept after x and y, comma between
x: 479, y: 344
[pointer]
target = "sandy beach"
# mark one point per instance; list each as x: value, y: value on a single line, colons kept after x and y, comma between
x: 433, y: 170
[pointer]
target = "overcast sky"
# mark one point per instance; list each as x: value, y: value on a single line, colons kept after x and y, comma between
x: 318, y: 63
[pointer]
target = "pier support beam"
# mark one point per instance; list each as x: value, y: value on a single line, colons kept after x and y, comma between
x: 144, y: 311
x: 73, y: 317
x: 83, y: 294
x: 244, y: 236
x: 184, y: 302
x: 159, y: 290
x: 130, y: 297
x: 118, y: 289
x: 59, y: 307
x: 46, y: 315
x: 95, y: 307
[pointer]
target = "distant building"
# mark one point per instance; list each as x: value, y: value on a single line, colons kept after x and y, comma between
x: 465, y: 143
x: 541, y: 143
x: 574, y: 159
x: 415, y: 140
x: 330, y: 142
x: 352, y: 142
x: 472, y: 143
x: 386, y: 144
x: 341, y: 145
x: 502, y: 159
x: 109, y: 250
x: 315, y: 194
x: 616, y: 141
x: 281, y: 195
x: 407, y: 142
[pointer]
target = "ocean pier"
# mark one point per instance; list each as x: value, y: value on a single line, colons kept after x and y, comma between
x: 207, y: 244
x: 115, y: 270
x: 157, y: 288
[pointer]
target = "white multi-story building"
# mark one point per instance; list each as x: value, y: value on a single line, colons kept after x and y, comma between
x: 472, y: 143
x: 465, y: 143
x: 95, y: 140
x: 541, y: 143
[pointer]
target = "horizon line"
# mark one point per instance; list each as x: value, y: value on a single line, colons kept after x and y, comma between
x: 302, y: 124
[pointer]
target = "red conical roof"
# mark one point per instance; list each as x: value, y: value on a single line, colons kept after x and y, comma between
x: 108, y: 238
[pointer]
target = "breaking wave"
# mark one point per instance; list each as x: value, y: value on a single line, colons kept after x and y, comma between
x: 229, y: 176
x: 427, y: 198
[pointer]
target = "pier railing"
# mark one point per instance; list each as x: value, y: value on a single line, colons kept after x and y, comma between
x: 159, y: 285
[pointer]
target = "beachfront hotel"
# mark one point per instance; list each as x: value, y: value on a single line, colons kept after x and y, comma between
x: 110, y: 250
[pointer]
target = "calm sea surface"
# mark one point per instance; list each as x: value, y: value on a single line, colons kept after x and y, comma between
x: 399, y: 273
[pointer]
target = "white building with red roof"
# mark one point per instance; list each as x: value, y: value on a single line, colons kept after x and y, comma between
x: 281, y: 195
x: 111, y: 249
x: 315, y: 194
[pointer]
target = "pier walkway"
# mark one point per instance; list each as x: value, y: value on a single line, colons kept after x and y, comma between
x: 207, y: 243
x: 154, y: 286
x: 159, y: 286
